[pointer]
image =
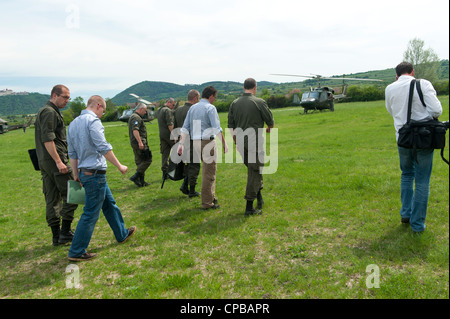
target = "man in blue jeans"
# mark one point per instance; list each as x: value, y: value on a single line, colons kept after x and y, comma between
x: 414, y: 201
x: 88, y: 152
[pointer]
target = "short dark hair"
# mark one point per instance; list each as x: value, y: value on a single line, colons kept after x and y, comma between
x: 57, y: 89
x: 404, y: 68
x: 208, y: 91
x: 249, y: 84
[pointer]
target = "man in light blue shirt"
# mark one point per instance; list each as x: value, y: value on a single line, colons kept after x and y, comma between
x: 202, y: 125
x: 88, y: 152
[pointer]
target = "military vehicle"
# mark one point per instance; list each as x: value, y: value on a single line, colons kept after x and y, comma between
x: 321, y: 98
x: 4, y: 127
x: 150, y: 116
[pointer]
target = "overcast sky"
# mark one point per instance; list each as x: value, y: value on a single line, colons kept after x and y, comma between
x: 103, y: 47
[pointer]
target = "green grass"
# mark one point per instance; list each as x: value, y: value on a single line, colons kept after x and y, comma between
x: 331, y: 210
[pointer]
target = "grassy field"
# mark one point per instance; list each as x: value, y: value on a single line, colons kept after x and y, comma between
x: 331, y: 217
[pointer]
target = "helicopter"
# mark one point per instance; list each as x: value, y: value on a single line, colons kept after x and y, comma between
x: 150, y: 116
x: 4, y: 127
x: 321, y: 98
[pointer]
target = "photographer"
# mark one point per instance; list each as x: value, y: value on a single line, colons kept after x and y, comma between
x: 415, y: 164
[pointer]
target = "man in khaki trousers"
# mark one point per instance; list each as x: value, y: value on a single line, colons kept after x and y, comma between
x: 202, y: 125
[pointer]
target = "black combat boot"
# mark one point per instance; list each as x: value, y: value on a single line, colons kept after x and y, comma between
x: 259, y: 201
x: 66, y: 234
x: 55, y: 233
x: 249, y: 210
x: 184, y: 187
x: 192, y: 192
x: 136, y: 179
x: 141, y: 179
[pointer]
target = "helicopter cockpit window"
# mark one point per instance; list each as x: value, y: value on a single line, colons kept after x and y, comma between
x: 310, y: 95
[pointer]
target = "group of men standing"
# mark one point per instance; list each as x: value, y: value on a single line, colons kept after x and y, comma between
x: 88, y: 150
x: 199, y: 126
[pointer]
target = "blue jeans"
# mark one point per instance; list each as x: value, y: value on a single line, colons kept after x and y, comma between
x: 415, y: 201
x: 98, y: 196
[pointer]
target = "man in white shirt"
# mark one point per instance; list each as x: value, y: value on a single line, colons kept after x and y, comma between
x: 414, y: 202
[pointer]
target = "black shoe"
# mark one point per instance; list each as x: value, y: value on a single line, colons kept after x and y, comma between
x: 250, y: 212
x: 135, y: 179
x: 65, y: 238
x: 405, y: 220
x: 194, y: 194
x: 215, y: 206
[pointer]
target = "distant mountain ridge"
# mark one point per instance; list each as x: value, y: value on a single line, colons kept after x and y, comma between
x: 156, y: 91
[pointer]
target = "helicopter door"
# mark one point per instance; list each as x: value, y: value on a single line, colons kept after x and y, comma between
x: 323, y: 97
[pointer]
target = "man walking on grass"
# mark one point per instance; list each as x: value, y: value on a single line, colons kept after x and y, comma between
x: 88, y: 152
x: 418, y: 172
x: 246, y: 118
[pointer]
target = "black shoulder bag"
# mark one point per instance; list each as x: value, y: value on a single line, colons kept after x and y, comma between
x: 428, y: 134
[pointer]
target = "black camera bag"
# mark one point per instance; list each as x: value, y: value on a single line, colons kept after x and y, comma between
x: 428, y: 134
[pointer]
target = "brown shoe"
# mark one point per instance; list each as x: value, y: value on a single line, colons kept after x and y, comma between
x: 85, y: 256
x: 131, y: 231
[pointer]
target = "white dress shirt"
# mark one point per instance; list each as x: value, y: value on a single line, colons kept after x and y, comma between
x: 397, y: 95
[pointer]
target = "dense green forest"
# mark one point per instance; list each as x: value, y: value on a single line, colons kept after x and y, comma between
x: 22, y: 104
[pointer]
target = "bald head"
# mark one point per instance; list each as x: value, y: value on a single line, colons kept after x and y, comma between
x: 97, y: 105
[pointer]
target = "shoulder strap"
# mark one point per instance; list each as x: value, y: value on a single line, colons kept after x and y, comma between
x: 411, y: 93
x: 419, y: 90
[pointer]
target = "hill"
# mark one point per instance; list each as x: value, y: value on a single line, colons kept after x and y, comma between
x: 22, y: 104
x: 155, y: 91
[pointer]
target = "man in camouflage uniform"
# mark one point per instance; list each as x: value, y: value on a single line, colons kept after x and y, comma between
x: 165, y: 123
x: 191, y: 169
x: 51, y: 150
x: 138, y: 140
x: 246, y: 116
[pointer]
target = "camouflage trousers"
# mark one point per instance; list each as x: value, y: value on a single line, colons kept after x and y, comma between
x: 254, y: 177
x: 142, y: 159
x: 55, y: 192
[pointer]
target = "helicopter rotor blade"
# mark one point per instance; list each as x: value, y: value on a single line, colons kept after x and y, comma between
x: 296, y: 75
x: 134, y: 95
x: 317, y: 76
x: 353, y: 79
x: 144, y: 101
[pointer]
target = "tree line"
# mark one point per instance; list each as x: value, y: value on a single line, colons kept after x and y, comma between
x: 355, y: 93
